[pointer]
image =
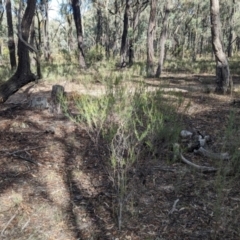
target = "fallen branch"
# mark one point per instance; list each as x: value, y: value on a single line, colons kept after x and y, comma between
x: 218, y: 156
x: 11, y: 219
x: 203, y: 169
x: 178, y: 154
x: 18, y: 154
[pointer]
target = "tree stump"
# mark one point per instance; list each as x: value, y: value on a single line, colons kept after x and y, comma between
x: 56, y: 97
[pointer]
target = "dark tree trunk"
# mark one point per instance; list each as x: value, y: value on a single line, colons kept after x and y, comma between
x: 11, y: 43
x: 150, y: 36
x: 23, y: 74
x: 78, y: 24
x: 99, y: 27
x: 163, y: 38
x: 123, y: 50
x: 39, y: 36
x: 1, y: 13
x: 223, y: 79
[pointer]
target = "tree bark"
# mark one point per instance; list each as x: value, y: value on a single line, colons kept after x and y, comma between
x: 1, y: 18
x: 231, y: 30
x: 163, y: 38
x: 11, y: 43
x: 99, y: 27
x: 23, y: 74
x: 47, y: 52
x: 123, y: 50
x: 78, y: 24
x: 196, y: 37
x: 150, y: 36
x: 222, y: 68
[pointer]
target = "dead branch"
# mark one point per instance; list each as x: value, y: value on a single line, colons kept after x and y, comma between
x: 20, y: 154
x: 178, y: 154
x: 206, y: 153
x: 11, y: 219
x: 203, y: 169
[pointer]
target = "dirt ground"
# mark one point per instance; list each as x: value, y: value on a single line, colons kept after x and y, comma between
x: 53, y: 184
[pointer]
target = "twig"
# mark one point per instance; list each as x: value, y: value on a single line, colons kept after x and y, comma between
x: 23, y: 150
x: 25, y: 225
x: 17, y: 155
x: 174, y: 207
x: 2, y: 233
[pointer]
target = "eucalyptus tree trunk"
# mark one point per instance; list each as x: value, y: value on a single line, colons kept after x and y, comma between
x: 134, y: 24
x: 223, y: 79
x: 78, y: 23
x: 150, y: 37
x: 123, y: 50
x: 163, y: 38
x: 1, y: 18
x: 23, y: 74
x: 11, y: 43
x: 196, y: 37
x: 99, y: 27
x: 47, y: 54
x: 1, y: 13
x: 231, y: 30
x: 70, y: 33
x: 39, y: 32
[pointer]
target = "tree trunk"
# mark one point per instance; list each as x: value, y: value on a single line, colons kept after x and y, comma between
x: 163, y: 37
x: 47, y: 53
x: 231, y: 30
x: 1, y: 18
x: 78, y: 24
x: 123, y: 50
x: 70, y: 34
x: 11, y: 43
x: 150, y: 35
x: 23, y: 74
x: 99, y: 27
x: 222, y: 68
x: 196, y: 37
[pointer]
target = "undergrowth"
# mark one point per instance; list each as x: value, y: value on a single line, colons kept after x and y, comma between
x: 132, y: 123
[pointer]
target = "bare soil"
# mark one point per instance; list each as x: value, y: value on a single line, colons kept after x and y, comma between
x: 54, y: 184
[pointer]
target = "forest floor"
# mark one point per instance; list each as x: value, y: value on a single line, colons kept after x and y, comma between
x: 53, y: 184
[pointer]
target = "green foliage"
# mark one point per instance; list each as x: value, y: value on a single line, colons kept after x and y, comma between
x: 95, y: 54
x: 132, y: 122
x: 188, y: 66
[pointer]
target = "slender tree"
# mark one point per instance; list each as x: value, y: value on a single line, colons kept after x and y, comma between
x: 163, y: 38
x: 23, y: 74
x: 232, y: 34
x: 123, y: 50
x: 150, y: 38
x: 78, y: 24
x: 1, y: 18
x: 223, y: 79
x: 11, y: 43
x: 45, y: 17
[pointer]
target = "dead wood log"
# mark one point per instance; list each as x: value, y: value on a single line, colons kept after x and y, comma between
x: 203, y: 169
x: 178, y: 154
x: 217, y: 156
